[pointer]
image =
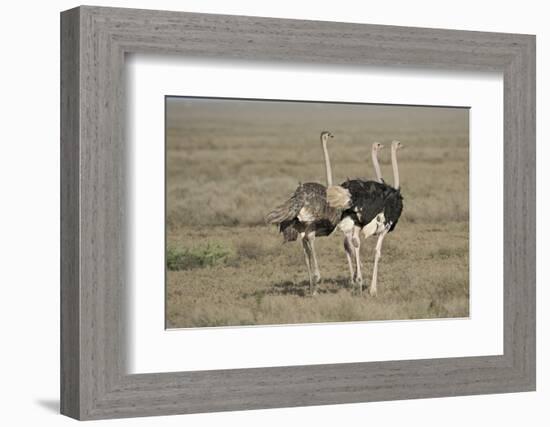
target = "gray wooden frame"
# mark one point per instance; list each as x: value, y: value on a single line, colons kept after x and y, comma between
x: 94, y: 41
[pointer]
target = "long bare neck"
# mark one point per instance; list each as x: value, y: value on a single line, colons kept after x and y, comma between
x: 327, y: 162
x: 395, y: 168
x: 374, y: 154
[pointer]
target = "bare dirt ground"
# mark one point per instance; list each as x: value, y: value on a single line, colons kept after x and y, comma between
x: 229, y: 163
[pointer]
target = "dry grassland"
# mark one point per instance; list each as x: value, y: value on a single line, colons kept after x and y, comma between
x: 229, y: 163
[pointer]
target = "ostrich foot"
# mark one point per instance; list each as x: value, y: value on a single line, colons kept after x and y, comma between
x: 313, y: 286
x: 359, y: 286
x: 372, y: 291
x: 312, y: 290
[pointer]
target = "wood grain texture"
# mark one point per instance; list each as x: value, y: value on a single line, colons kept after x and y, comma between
x: 94, y: 273
x: 70, y: 221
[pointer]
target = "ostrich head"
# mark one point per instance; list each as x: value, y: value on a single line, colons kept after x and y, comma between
x: 396, y: 145
x: 376, y: 146
x: 325, y: 135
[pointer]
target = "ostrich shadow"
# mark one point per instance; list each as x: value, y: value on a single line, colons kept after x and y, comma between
x: 301, y: 289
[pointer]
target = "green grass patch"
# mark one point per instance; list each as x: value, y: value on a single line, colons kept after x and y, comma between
x: 199, y: 257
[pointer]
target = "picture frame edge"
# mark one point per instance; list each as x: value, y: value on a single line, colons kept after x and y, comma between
x: 94, y: 384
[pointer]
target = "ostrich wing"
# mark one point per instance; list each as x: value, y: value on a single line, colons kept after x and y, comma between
x: 314, y: 202
x: 393, y: 208
x: 368, y: 199
x: 307, y: 209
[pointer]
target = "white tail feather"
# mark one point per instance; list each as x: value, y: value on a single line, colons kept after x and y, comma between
x: 338, y: 197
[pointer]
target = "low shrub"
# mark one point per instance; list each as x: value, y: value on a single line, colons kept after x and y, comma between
x: 200, y: 257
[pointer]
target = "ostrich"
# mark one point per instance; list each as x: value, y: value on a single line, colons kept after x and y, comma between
x: 351, y: 230
x: 372, y: 207
x: 307, y: 214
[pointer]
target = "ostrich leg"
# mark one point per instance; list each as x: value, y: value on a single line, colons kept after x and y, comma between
x: 377, y: 255
x: 307, y: 254
x: 348, y: 247
x: 316, y: 273
x: 356, y: 242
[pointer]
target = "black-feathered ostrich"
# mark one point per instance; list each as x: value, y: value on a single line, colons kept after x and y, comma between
x: 351, y: 231
x: 306, y: 214
x: 372, y: 207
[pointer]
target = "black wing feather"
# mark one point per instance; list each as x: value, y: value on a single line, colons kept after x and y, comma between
x: 370, y: 198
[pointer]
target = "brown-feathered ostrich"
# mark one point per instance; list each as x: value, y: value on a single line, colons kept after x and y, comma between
x: 306, y: 214
x: 372, y: 207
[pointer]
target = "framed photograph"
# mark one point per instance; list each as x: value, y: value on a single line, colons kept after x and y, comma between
x: 261, y: 213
